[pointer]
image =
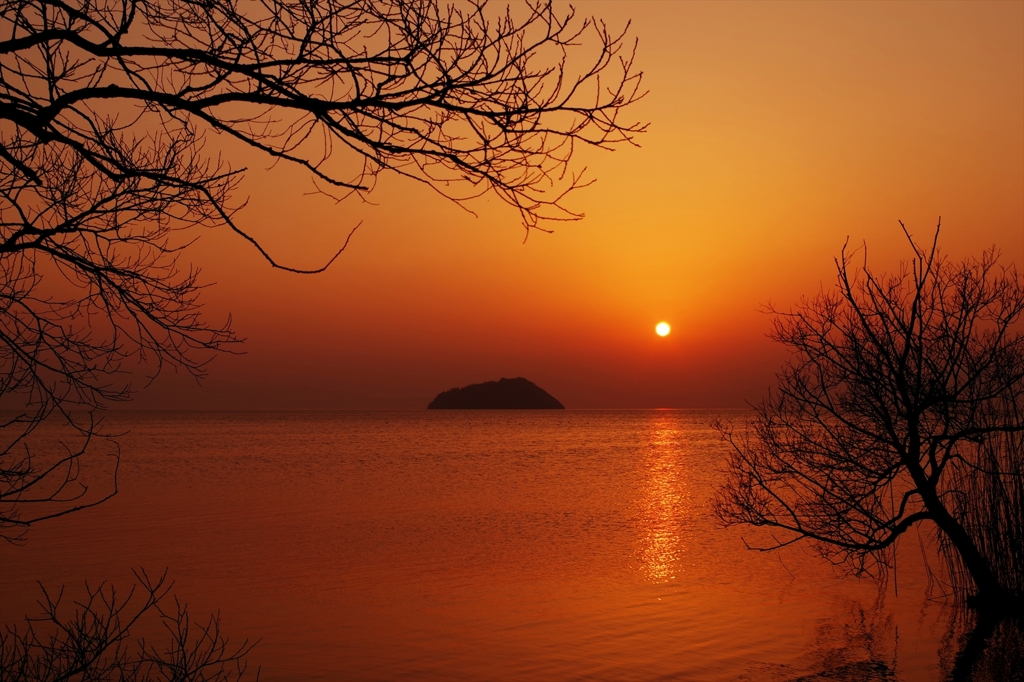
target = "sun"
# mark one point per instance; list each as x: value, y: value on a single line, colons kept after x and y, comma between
x: 662, y: 328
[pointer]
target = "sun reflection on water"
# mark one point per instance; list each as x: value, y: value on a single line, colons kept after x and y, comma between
x: 663, y: 503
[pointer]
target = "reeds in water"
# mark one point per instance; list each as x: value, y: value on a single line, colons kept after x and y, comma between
x: 985, y: 493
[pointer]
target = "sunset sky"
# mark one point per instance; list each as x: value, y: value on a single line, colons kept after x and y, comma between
x: 777, y: 130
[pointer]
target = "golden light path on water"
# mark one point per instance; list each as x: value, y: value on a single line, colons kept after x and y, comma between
x: 664, y: 505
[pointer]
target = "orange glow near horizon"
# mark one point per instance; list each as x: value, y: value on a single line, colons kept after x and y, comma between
x: 777, y: 131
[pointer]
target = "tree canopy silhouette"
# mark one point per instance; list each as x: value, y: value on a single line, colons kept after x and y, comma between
x: 106, y: 107
x: 902, y: 403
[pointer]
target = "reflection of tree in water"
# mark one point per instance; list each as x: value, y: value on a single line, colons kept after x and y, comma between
x: 858, y: 645
x: 861, y: 645
x: 982, y: 650
x: 663, y: 504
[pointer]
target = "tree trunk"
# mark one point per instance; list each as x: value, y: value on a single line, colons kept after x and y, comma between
x: 990, y: 595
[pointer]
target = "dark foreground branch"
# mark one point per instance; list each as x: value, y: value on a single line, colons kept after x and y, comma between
x: 90, y: 639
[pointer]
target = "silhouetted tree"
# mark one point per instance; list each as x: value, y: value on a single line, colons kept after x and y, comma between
x: 105, y: 106
x: 900, y: 388
x: 93, y: 640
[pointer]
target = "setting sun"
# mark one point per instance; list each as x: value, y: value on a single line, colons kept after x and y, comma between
x: 662, y: 328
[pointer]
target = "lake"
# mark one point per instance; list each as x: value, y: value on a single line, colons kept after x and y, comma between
x: 492, y: 545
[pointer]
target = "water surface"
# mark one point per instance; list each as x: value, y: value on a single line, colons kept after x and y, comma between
x: 488, y: 545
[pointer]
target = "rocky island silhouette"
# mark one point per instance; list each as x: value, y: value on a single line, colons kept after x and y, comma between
x: 504, y: 394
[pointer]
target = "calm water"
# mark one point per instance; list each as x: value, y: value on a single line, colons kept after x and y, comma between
x: 470, y: 546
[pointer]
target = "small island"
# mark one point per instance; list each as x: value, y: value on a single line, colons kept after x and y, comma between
x: 504, y: 394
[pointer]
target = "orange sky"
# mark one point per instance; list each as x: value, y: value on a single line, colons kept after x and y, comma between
x: 776, y: 131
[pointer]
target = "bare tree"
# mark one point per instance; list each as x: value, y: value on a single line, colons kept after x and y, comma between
x: 900, y: 388
x: 92, y: 640
x: 105, y: 111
